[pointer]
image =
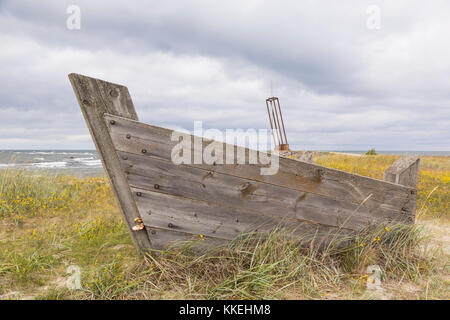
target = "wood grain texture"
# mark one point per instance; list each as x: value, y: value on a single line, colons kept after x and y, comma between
x: 133, y: 137
x: 404, y: 171
x: 97, y: 97
x: 187, y: 218
x: 160, y: 175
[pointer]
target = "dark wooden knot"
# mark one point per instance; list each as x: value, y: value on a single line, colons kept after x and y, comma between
x: 86, y: 102
x: 113, y: 93
x: 153, y: 232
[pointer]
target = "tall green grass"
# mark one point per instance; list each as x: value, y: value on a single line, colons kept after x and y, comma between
x: 49, y: 222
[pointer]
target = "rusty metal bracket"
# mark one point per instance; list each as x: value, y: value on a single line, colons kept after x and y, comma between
x: 277, y: 124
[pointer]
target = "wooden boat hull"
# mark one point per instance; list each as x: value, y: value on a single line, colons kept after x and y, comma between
x: 218, y: 202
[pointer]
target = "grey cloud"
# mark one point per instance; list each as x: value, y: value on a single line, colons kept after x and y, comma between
x: 340, y: 84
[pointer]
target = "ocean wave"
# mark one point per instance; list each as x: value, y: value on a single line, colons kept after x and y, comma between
x: 81, y: 159
x: 92, y: 163
x: 55, y: 152
x: 54, y: 164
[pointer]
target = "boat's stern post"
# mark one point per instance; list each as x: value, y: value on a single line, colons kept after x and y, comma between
x: 405, y: 171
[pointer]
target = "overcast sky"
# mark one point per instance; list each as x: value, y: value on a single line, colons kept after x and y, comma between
x: 343, y: 83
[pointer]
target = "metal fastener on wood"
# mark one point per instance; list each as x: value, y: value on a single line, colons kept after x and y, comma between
x: 112, y: 122
x: 86, y: 102
x: 156, y: 186
x: 144, y: 151
x: 149, y: 212
x: 113, y: 93
x: 138, y: 194
x: 125, y: 158
x: 128, y: 136
x: 170, y: 225
x: 244, y: 187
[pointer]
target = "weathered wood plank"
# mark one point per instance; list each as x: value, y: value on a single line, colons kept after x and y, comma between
x: 187, y: 215
x: 161, y: 239
x: 404, y: 171
x: 194, y: 217
x: 97, y: 97
x: 133, y: 137
x: 161, y: 175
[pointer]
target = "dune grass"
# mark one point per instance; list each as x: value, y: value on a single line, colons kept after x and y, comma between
x: 50, y: 222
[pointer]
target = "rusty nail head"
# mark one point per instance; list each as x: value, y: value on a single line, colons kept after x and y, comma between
x: 144, y: 151
x: 138, y: 194
x: 170, y: 225
x: 112, y: 122
x: 128, y: 136
x: 156, y: 186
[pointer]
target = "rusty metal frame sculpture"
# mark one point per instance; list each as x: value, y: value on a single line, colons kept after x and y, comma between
x: 277, y: 124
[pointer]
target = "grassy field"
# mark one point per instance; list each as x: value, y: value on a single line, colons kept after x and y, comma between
x: 49, y: 223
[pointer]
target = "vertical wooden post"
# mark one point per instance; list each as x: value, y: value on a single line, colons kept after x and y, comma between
x: 404, y: 171
x: 97, y: 97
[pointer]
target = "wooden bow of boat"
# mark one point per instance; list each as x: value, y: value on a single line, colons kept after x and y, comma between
x: 162, y: 201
